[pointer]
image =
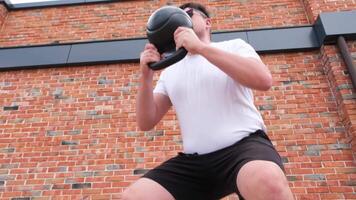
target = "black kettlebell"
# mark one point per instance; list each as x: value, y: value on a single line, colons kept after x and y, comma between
x: 160, y: 32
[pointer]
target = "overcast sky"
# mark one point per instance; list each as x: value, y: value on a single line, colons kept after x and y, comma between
x: 27, y: 1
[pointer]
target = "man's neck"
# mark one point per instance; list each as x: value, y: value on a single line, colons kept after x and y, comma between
x: 205, y: 39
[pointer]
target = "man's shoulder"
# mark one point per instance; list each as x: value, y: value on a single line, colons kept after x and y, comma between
x: 232, y: 41
x: 236, y: 43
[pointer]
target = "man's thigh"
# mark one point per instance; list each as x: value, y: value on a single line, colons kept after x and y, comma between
x: 146, y: 189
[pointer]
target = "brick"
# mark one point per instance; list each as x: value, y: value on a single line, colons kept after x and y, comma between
x: 7, y: 177
x: 21, y: 198
x: 61, y: 187
x: 312, y: 153
x: 7, y: 150
x: 314, y: 177
x: 265, y: 107
x: 84, y: 174
x: 104, y: 81
x: 101, y: 185
x: 69, y: 142
x: 349, y: 183
x: 292, y: 178
x: 73, y: 180
x: 154, y: 133
x: 140, y: 171
x: 339, y: 146
x: 101, y: 197
x: 74, y: 132
x: 113, y: 167
x: 285, y: 159
x: 58, y: 93
x: 316, y: 147
x: 9, y: 108
x: 54, y: 133
x: 81, y: 185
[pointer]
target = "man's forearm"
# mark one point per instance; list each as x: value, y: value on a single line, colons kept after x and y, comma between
x: 145, y: 106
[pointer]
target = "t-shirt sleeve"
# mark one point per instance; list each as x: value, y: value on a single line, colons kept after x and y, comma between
x: 244, y: 49
x: 160, y: 86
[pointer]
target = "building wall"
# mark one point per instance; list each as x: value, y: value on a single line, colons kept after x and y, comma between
x: 128, y: 20
x: 3, y: 14
x: 70, y: 132
x: 314, y: 7
x: 342, y: 88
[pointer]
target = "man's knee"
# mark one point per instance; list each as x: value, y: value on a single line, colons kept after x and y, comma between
x: 128, y: 194
x: 264, y: 177
x: 146, y: 189
x: 273, y: 183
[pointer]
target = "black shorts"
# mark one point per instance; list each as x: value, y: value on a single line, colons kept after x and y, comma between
x: 212, y: 176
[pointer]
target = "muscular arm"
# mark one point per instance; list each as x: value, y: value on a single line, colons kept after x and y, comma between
x: 150, y: 108
x: 249, y: 72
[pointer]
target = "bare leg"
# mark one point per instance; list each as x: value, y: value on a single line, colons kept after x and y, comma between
x: 146, y: 189
x: 263, y: 180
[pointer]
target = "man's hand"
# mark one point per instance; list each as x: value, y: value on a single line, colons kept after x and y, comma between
x: 186, y: 37
x: 149, y: 55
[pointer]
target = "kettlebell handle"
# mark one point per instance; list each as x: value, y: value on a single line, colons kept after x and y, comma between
x: 169, y: 60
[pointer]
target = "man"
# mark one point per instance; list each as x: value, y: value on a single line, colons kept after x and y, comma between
x: 225, y: 147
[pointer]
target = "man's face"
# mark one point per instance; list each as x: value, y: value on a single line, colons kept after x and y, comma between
x: 201, y: 23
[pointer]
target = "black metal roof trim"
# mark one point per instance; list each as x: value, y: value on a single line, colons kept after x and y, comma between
x: 264, y: 40
x: 330, y: 25
x: 45, y: 4
x: 269, y: 40
x: 5, y: 2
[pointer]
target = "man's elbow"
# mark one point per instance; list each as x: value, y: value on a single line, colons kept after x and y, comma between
x: 144, y: 126
x: 266, y: 83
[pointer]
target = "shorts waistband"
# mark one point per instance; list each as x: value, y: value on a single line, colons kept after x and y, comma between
x: 196, y: 155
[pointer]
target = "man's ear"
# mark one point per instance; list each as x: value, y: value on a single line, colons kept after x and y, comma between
x: 208, y: 22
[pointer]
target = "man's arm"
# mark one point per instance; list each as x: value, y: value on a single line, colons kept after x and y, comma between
x: 150, y: 108
x: 250, y: 72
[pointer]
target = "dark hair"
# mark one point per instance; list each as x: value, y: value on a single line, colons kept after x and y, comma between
x: 196, y: 6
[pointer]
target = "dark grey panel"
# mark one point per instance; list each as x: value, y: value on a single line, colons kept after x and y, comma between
x: 125, y: 50
x: 218, y: 37
x: 329, y: 25
x: 90, y: 1
x: 319, y: 31
x: 34, y: 56
x: 6, y: 3
x: 285, y: 38
x: 46, y: 3
x: 50, y: 3
x: 337, y: 23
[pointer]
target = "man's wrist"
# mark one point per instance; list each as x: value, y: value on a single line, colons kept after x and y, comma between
x: 146, y: 78
x: 203, y: 49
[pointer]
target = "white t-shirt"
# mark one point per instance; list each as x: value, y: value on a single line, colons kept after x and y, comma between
x: 213, y: 110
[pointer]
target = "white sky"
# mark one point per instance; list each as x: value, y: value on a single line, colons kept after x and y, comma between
x: 28, y: 1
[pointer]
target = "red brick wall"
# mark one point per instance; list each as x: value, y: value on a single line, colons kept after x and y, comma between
x: 3, y: 14
x: 304, y: 123
x: 126, y: 20
x: 71, y: 133
x: 315, y: 7
x: 341, y: 85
